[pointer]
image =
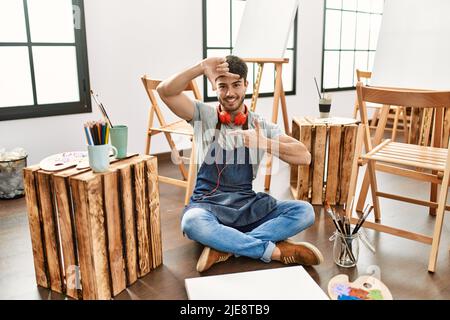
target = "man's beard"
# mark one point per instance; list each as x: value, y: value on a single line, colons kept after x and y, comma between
x: 225, y: 106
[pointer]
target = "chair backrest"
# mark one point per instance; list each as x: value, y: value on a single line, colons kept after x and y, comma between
x: 439, y: 100
x: 150, y: 86
x: 363, y: 75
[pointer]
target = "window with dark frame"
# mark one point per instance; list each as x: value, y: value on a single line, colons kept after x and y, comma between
x: 219, y: 39
x: 43, y: 59
x: 351, y: 29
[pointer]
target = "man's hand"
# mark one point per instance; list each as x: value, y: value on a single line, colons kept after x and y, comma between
x: 253, y: 138
x: 216, y: 67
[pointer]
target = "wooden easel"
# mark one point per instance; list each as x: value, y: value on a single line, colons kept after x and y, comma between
x: 277, y: 97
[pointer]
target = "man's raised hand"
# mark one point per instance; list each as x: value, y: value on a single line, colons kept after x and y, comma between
x: 253, y: 138
x: 216, y: 67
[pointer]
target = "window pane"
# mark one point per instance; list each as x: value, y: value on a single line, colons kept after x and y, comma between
x: 362, y: 31
x: 333, y: 29
x: 215, y: 53
x: 290, y: 43
x: 218, y: 23
x: 348, y: 30
x: 371, y: 59
x: 349, y: 5
x: 361, y: 58
x: 288, y: 69
x: 56, y: 74
x: 15, y: 77
x: 346, y: 70
x: 364, y: 5
x: 331, y: 69
x: 336, y: 4
x: 238, y: 7
x: 268, y: 78
x: 12, y: 21
x: 375, y: 24
x: 377, y: 6
x: 51, y: 21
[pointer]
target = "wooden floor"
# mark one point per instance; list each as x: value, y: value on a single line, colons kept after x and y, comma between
x: 403, y: 263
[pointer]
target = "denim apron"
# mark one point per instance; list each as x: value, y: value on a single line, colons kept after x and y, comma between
x: 233, y: 202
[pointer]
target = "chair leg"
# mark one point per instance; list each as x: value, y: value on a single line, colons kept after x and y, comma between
x: 148, y: 143
x: 354, y: 172
x: 191, y: 175
x: 363, y: 192
x: 355, y: 110
x: 376, y: 140
x: 394, y: 126
x: 405, y: 124
x: 374, y: 120
x: 438, y: 224
x: 433, y: 196
x: 374, y: 190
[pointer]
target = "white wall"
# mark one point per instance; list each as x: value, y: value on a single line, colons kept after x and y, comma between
x: 128, y: 39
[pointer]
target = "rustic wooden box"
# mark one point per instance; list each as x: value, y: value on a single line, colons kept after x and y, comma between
x: 332, y: 147
x: 103, y: 228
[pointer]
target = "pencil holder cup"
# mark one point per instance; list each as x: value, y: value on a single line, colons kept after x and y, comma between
x: 119, y: 139
x: 345, y: 249
x: 99, y: 157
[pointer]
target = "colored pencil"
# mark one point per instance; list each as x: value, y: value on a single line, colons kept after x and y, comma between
x: 88, y: 136
x: 107, y: 134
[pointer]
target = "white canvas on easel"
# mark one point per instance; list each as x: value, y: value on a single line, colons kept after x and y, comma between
x: 264, y: 28
x: 288, y: 283
x: 413, y: 48
x: 262, y: 38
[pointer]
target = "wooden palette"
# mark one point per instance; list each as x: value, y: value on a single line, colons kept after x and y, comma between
x: 66, y: 160
x: 62, y: 161
x: 364, y: 288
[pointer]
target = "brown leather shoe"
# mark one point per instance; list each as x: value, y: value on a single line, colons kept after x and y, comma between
x: 299, y: 253
x: 209, y: 257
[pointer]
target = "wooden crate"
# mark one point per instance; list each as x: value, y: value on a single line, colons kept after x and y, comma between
x: 103, y: 229
x: 332, y: 147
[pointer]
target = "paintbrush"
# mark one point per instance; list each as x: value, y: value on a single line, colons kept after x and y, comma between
x: 317, y: 87
x: 333, y: 217
x: 102, y: 108
x: 331, y: 214
x: 362, y: 220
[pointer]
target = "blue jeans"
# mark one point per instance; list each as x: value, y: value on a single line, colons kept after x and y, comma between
x: 256, y: 240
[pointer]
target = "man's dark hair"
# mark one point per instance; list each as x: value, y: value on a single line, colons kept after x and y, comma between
x: 237, y: 66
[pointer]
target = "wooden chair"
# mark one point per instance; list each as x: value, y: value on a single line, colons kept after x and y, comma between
x: 429, y: 164
x: 178, y: 127
x: 394, y: 112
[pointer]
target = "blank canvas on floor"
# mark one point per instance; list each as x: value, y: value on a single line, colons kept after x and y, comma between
x: 289, y: 283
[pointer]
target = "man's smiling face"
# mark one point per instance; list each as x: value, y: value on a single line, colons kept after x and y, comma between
x: 231, y: 92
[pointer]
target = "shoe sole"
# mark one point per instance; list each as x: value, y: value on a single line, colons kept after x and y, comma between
x: 201, y: 264
x: 308, y: 245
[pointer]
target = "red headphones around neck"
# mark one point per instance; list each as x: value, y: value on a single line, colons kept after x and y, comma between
x: 225, y: 117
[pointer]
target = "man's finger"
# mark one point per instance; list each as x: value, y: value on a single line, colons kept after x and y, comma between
x: 213, y: 83
x: 257, y: 126
x: 223, y: 70
x: 232, y: 75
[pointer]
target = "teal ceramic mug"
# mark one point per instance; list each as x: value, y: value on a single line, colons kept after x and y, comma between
x: 99, y: 156
x: 119, y: 139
